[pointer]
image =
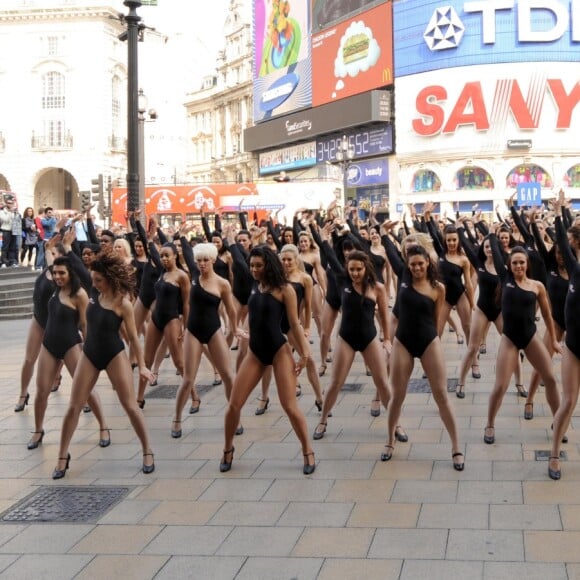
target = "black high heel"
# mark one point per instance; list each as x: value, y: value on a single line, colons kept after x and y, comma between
x: 522, y: 391
x: 458, y: 466
x: 376, y: 412
x: 105, y: 442
x: 34, y: 444
x: 148, y: 468
x: 308, y: 469
x: 319, y: 434
x: 260, y: 410
x: 400, y: 435
x: 60, y: 473
x: 176, y: 433
x: 20, y: 406
x: 141, y: 403
x: 319, y: 405
x: 227, y: 465
x: 387, y: 455
x: 193, y: 410
x: 459, y: 392
x: 554, y: 473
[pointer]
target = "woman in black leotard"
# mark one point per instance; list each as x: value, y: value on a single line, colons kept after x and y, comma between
x: 487, y: 309
x: 520, y: 296
x: 569, y: 246
x: 302, y: 284
x: 109, y: 307
x: 171, y: 299
x: 270, y: 298
x: 207, y: 291
x: 62, y: 342
x: 421, y: 299
x: 360, y: 294
x: 43, y: 289
x: 455, y: 273
x: 310, y: 256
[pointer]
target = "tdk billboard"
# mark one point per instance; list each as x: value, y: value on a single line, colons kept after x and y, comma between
x: 436, y: 34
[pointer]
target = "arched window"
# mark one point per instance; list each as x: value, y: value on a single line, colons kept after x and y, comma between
x: 572, y: 177
x: 53, y: 91
x: 469, y: 177
x: 528, y: 173
x: 426, y: 180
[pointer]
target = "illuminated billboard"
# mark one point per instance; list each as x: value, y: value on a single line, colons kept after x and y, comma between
x: 354, y: 56
x: 436, y: 34
x: 282, y: 65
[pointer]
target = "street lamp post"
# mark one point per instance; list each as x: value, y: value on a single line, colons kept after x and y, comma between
x: 132, y: 20
x: 344, y: 155
x: 144, y: 116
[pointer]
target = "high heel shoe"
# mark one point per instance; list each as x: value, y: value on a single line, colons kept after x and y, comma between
x: 20, y: 406
x: 554, y: 473
x: 141, y: 403
x: 529, y: 415
x: 34, y: 443
x: 155, y: 380
x: 475, y: 374
x: 375, y: 409
x: 400, y: 435
x: 521, y: 391
x: 458, y: 466
x: 298, y: 391
x: 261, y: 409
x: 216, y: 380
x: 105, y: 442
x: 194, y: 408
x: 319, y: 405
x: 459, y: 392
x: 60, y: 473
x: 56, y: 385
x: 387, y: 455
x: 322, y: 369
x: 489, y: 439
x: 319, y: 434
x: 227, y: 465
x: 482, y: 348
x: 308, y: 468
x: 176, y: 433
x: 148, y: 468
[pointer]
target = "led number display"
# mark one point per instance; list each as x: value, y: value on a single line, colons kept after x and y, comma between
x: 364, y: 142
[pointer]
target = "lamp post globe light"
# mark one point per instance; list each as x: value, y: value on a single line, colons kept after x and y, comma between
x: 144, y: 115
x: 344, y: 156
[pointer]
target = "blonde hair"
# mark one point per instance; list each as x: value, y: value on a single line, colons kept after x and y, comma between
x: 419, y: 239
x: 125, y: 245
x: 205, y: 250
x: 292, y: 249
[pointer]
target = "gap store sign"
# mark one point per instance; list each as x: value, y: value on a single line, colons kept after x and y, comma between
x: 436, y: 34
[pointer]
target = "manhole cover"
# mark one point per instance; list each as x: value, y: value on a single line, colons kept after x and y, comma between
x: 170, y: 391
x: 352, y: 387
x: 544, y: 455
x: 78, y: 504
x: 422, y: 386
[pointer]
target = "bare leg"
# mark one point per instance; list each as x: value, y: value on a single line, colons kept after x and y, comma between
x: 535, y: 378
x: 464, y: 312
x: 311, y: 371
x: 152, y: 341
x: 541, y: 360
x: 401, y: 367
x: 47, y: 366
x: 33, y: 344
x: 328, y: 320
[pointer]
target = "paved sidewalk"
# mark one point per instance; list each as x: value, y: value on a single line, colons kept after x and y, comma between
x: 356, y: 517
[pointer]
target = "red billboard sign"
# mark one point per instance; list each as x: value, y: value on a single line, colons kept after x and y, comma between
x: 354, y: 56
x: 180, y: 199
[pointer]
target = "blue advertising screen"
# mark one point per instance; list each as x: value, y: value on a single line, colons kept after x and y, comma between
x: 437, y: 34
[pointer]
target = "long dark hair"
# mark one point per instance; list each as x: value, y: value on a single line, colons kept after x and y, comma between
x: 519, y: 250
x: 274, y: 276
x: 370, y: 278
x: 75, y: 282
x: 450, y: 230
x: 432, y: 273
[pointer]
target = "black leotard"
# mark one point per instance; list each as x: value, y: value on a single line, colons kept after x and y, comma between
x: 43, y: 290
x: 451, y: 274
x: 62, y: 329
x: 417, y: 327
x: 222, y: 269
x: 557, y: 291
x: 265, y: 314
x: 310, y: 271
x: 357, y: 327
x: 572, y: 306
x: 299, y: 289
x: 167, y: 303
x: 147, y: 287
x: 139, y: 268
x: 397, y: 265
x: 378, y: 262
x: 102, y: 343
x: 204, y: 320
x: 242, y: 279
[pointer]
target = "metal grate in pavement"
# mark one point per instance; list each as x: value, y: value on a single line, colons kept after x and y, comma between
x: 544, y: 455
x: 76, y: 504
x: 423, y: 386
x: 352, y: 387
x: 170, y: 391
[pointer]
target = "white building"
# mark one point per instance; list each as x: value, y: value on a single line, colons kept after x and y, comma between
x: 221, y: 109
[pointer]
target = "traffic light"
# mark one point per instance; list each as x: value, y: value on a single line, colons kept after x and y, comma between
x: 97, y: 189
x: 85, y: 200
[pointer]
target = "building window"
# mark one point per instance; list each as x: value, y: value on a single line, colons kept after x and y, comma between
x: 52, y: 42
x: 426, y: 180
x: 473, y: 178
x: 572, y: 177
x: 53, y: 91
x: 528, y: 173
x: 54, y: 133
x: 116, y: 106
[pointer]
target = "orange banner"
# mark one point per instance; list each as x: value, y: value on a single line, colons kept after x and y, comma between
x: 180, y: 199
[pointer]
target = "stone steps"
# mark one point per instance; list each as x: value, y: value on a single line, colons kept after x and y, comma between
x: 16, y: 289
